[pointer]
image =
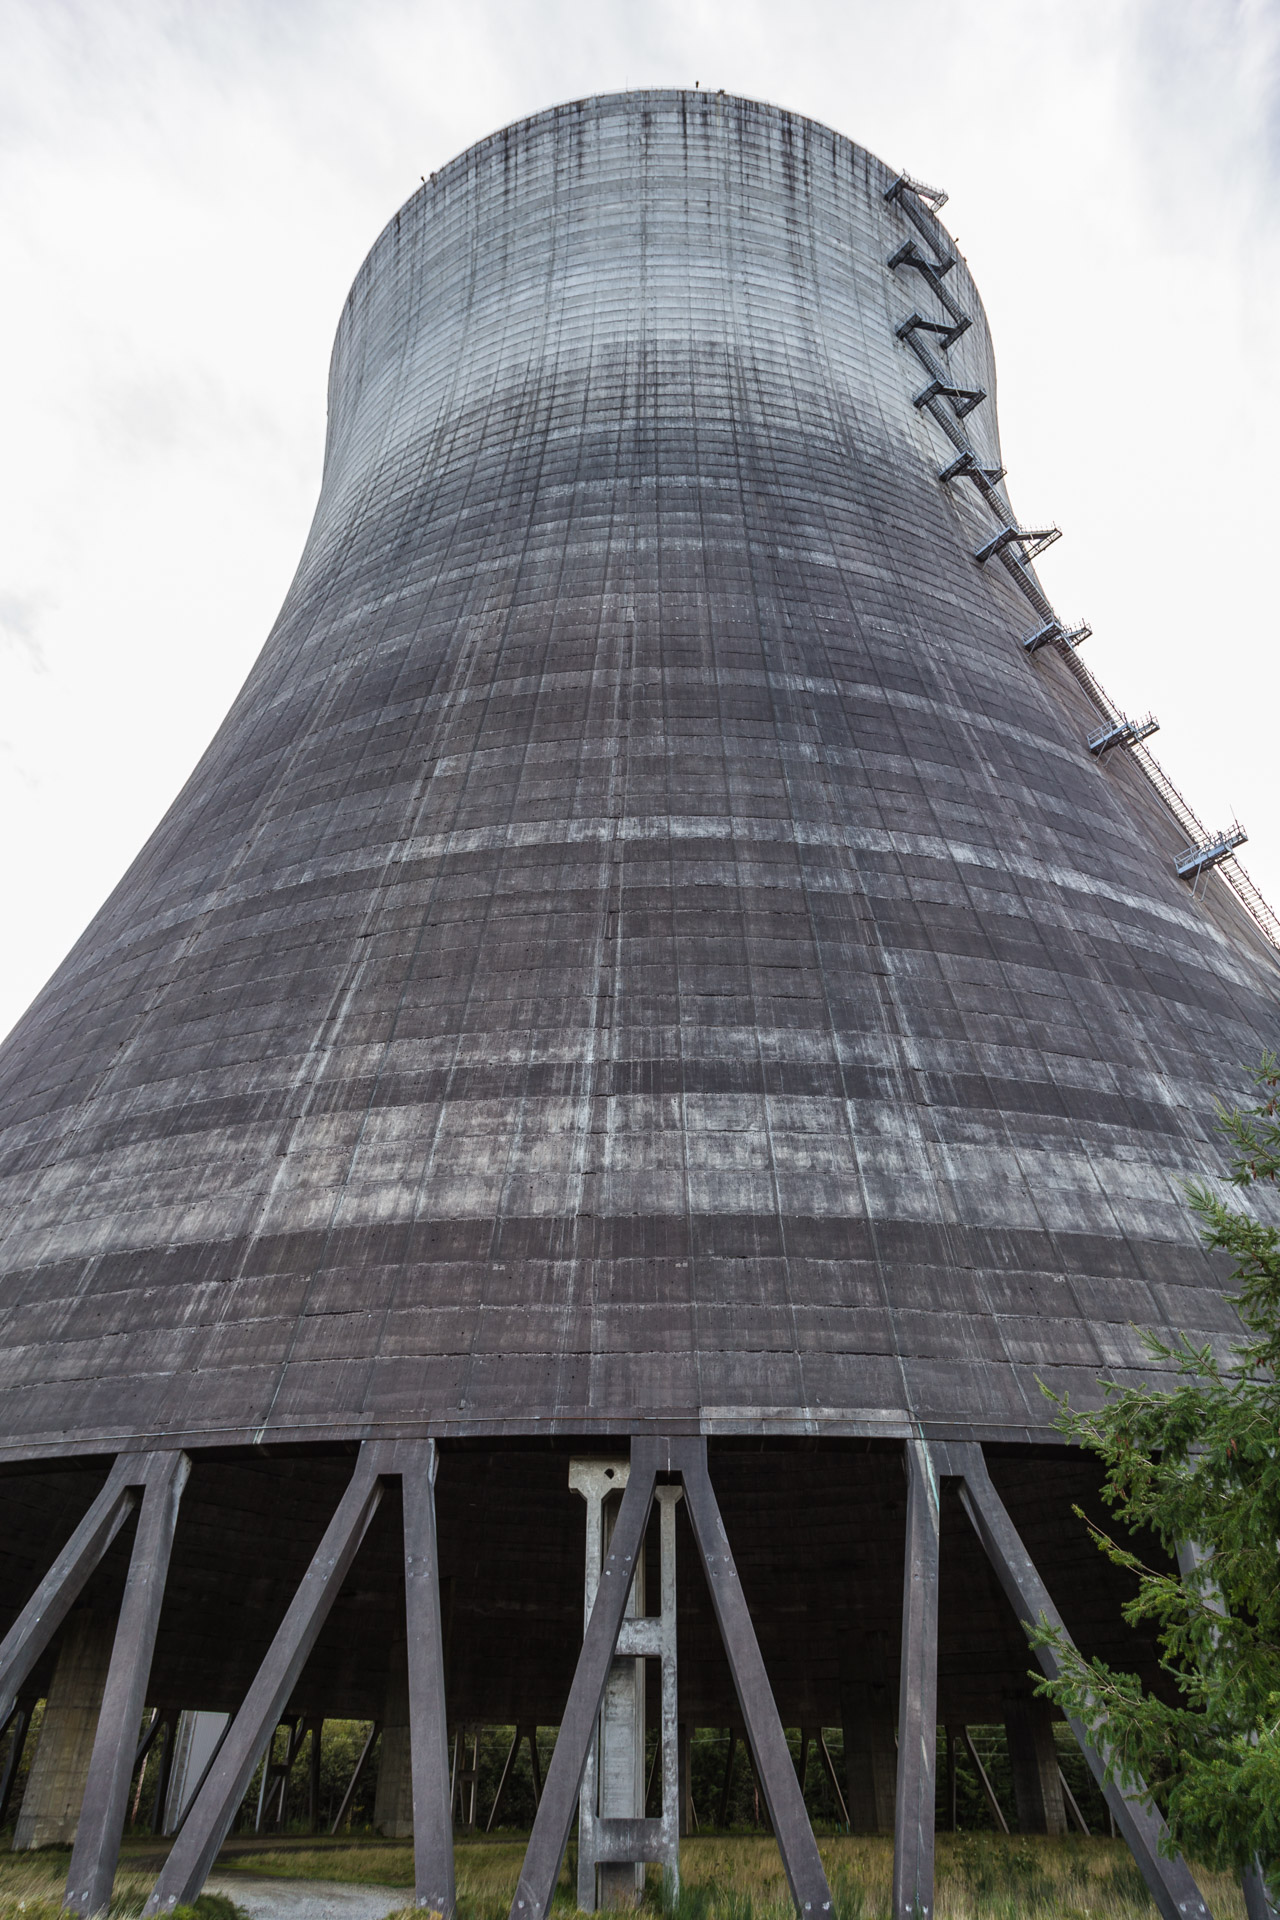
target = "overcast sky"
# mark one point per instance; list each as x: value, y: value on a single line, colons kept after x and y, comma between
x: 187, y: 188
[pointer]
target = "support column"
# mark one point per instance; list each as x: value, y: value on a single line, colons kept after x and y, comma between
x: 521, y: 1733
x: 984, y: 1781
x: 428, y: 1735
x: 1033, y: 1759
x: 613, y: 1788
x: 918, y: 1693
x: 466, y: 1775
x: 560, y: 1795
x: 19, y: 1723
x: 58, y: 1592
x: 685, y: 1738
x: 646, y: 1839
x: 168, y: 1739
x: 829, y: 1767
x: 195, y: 1743
x: 669, y: 1704
x: 801, y: 1861
x: 106, y: 1795
x: 313, y: 1777
x: 726, y: 1784
x: 393, y: 1797
x: 55, y: 1786
x: 356, y: 1773
x: 206, y: 1826
x: 613, y: 1782
x: 1257, y: 1901
x: 870, y: 1751
x: 1169, y: 1880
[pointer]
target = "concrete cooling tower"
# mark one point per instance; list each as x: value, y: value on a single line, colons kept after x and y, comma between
x: 672, y: 980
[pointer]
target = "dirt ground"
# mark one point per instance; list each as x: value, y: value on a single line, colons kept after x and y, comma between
x: 309, y: 1899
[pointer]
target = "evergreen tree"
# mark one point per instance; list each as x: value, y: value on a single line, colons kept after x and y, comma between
x: 1198, y: 1466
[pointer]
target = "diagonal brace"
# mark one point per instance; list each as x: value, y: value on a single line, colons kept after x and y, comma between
x: 106, y: 1793
x: 550, y: 1834
x: 774, y: 1765
x: 214, y: 1808
x: 58, y: 1592
x: 1172, y: 1887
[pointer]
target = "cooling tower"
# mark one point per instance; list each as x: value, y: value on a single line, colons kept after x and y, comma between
x: 671, y: 956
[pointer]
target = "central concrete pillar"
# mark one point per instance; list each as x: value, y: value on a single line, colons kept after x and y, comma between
x: 393, y: 1801
x: 1033, y: 1756
x: 613, y: 1786
x: 55, y: 1788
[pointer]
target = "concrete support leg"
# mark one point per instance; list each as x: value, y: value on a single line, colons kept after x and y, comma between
x: 1033, y: 1759
x: 55, y: 1786
x: 829, y: 1768
x: 769, y: 1750
x: 613, y: 1783
x: 523, y: 1733
x: 57, y: 1593
x: 1169, y: 1880
x: 167, y: 1736
x: 918, y: 1693
x: 19, y: 1723
x: 154, y: 1731
x: 687, y: 1818
x: 356, y: 1774
x: 726, y: 1784
x: 984, y: 1781
x: 428, y: 1737
x: 313, y: 1776
x: 465, y: 1776
x: 870, y: 1755
x: 647, y: 1839
x: 206, y: 1826
x: 569, y: 1758
x: 106, y: 1795
x: 393, y: 1798
x: 1257, y: 1901
x: 194, y: 1747
x: 669, y: 1729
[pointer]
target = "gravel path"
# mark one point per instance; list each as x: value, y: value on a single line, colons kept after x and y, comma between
x: 271, y: 1899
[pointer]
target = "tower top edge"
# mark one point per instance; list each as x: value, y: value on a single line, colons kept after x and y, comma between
x: 623, y: 100
x: 599, y: 107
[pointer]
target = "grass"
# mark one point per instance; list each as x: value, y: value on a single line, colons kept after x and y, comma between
x: 739, y: 1877
x: 31, y: 1887
x: 980, y: 1876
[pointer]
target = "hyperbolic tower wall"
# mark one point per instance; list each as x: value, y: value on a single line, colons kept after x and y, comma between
x: 645, y: 942
x: 649, y: 949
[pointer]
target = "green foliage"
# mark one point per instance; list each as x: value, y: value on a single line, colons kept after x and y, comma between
x: 1198, y: 1465
x: 210, y: 1906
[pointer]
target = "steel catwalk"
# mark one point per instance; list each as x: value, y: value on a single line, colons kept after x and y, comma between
x: 648, y: 948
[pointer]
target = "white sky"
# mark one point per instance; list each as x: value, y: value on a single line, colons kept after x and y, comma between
x: 187, y: 188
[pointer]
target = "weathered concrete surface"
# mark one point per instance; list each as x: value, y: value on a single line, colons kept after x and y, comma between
x: 1033, y: 1757
x: 51, y: 1804
x: 393, y: 1802
x: 645, y: 941
x: 647, y: 946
